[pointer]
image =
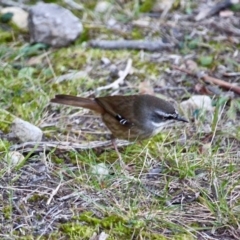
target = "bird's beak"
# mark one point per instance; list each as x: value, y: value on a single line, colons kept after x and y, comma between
x: 182, y: 119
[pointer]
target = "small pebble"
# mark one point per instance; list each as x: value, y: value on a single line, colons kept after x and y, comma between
x: 154, y: 172
x: 100, y: 169
x: 102, y: 6
x: 14, y: 158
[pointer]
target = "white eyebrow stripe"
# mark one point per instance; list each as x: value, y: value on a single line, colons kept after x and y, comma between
x: 166, y: 114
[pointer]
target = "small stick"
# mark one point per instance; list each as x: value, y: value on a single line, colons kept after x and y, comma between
x: 54, y: 192
x: 120, y: 80
x: 215, y: 9
x: 151, y: 46
x: 211, y: 80
x: 231, y: 74
x: 63, y: 146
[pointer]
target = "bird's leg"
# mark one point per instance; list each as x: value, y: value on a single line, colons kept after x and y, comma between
x: 122, y: 164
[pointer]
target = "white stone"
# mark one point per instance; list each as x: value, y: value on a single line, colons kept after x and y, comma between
x: 197, y: 102
x: 14, y: 158
x: 102, y: 6
x: 20, y: 17
x: 26, y: 132
x: 100, y: 169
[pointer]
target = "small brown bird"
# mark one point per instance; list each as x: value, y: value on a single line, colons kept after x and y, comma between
x: 133, y: 117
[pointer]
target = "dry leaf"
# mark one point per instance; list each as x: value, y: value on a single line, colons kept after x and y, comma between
x: 226, y: 13
x: 146, y: 88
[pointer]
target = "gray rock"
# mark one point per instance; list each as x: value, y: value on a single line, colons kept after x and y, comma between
x: 26, y: 132
x: 53, y: 25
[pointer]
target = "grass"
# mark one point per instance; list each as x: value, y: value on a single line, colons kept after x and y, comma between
x: 192, y: 194
x: 182, y: 184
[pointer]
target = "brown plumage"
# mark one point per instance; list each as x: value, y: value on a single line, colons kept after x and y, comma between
x: 127, y: 117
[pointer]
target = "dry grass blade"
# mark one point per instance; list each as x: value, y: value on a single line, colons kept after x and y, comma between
x: 116, y: 84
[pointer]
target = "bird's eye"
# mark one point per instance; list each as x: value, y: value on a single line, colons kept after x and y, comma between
x: 157, y: 118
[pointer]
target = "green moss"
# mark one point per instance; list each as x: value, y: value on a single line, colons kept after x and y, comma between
x: 6, y: 119
x: 7, y: 212
x: 77, y: 230
x: 5, y: 36
x: 150, y: 69
x: 36, y: 198
x: 107, y: 222
x: 117, y: 225
x: 84, y: 37
x: 57, y: 160
x: 147, y: 5
x: 137, y: 34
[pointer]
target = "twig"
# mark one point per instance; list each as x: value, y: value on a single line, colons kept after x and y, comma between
x: 211, y: 80
x: 214, y: 10
x: 69, y: 76
x: 231, y: 74
x: 48, y: 146
x: 120, y: 80
x: 54, y: 192
x: 227, y: 27
x: 131, y: 44
x: 66, y: 197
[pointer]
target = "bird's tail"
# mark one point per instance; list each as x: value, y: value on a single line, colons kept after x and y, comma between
x: 77, y: 102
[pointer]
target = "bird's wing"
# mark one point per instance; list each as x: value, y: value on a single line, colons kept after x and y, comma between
x: 120, y: 107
